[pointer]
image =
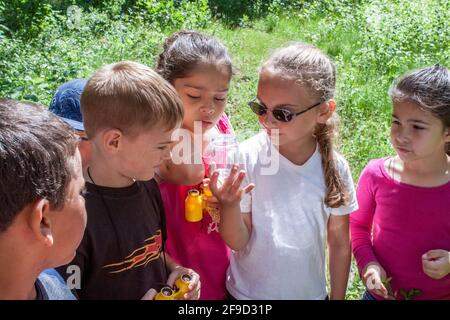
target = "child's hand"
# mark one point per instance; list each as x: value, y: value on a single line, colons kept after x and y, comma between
x: 436, y: 263
x: 149, y: 295
x: 230, y: 193
x: 373, y: 277
x: 194, y: 286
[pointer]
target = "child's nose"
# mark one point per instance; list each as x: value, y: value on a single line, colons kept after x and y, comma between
x: 402, y: 136
x: 268, y: 118
x: 208, y: 106
x: 167, y: 154
x: 208, y: 111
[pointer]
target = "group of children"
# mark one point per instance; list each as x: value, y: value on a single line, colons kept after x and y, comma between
x: 124, y: 235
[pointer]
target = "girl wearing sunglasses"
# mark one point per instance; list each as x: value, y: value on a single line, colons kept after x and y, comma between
x: 279, y: 230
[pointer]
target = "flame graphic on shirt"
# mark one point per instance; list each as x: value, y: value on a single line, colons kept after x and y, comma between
x: 141, y: 256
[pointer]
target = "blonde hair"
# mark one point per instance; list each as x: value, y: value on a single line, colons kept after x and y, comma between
x: 429, y: 88
x: 129, y: 96
x: 312, y: 68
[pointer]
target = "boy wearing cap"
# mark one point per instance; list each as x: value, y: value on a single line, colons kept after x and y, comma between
x: 129, y: 115
x: 65, y: 104
x: 42, y: 212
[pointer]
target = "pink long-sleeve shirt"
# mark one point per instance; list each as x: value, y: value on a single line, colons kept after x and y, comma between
x: 396, y: 224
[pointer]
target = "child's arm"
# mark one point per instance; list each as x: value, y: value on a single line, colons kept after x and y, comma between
x: 361, y: 224
x: 436, y: 263
x: 235, y: 227
x: 339, y: 252
x: 188, y: 172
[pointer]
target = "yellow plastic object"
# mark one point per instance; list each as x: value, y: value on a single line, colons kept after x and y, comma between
x: 193, y: 206
x: 182, y: 285
x: 206, y: 192
x: 180, y: 288
x: 166, y: 293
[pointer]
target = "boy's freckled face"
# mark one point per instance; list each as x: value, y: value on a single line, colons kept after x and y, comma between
x: 142, y: 154
x: 203, y: 93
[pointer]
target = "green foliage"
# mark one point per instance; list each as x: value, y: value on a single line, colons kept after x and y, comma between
x: 27, y: 17
x: 396, y: 30
x: 32, y: 70
x: 233, y: 11
x: 175, y: 13
x: 402, y: 293
x: 37, y: 56
x: 240, y: 12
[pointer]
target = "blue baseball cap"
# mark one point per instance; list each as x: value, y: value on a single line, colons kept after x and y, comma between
x: 66, y: 103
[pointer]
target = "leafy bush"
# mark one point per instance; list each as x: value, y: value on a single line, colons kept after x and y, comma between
x: 396, y: 30
x: 241, y: 12
x: 32, y: 70
x: 41, y: 46
x: 26, y: 17
x: 175, y: 13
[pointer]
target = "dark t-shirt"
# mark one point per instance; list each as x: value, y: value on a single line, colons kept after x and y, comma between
x: 120, y: 254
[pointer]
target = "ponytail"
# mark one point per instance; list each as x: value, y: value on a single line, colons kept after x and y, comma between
x: 336, y: 192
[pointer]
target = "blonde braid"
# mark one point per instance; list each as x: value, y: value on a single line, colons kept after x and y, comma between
x: 336, y: 192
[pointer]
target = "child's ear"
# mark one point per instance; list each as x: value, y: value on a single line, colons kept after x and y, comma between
x: 39, y: 221
x: 112, y: 140
x: 326, y: 111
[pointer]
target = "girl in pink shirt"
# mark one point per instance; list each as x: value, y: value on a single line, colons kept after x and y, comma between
x: 401, y: 232
x: 200, y: 69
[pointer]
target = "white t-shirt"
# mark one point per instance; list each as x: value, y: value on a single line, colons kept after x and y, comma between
x: 285, y: 256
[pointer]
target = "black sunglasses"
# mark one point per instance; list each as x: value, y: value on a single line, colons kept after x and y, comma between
x: 280, y: 114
